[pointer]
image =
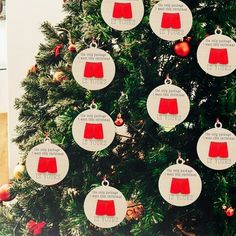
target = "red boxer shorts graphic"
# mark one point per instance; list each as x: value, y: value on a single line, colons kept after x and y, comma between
x: 93, y: 131
x: 168, y: 105
x: 93, y: 69
x: 218, y: 55
x: 218, y: 149
x: 46, y: 164
x: 180, y: 186
x: 170, y: 20
x: 122, y: 10
x: 105, y: 207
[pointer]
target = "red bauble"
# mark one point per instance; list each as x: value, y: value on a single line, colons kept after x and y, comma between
x: 5, y: 193
x: 230, y: 211
x: 72, y: 47
x: 119, y: 120
x: 182, y: 49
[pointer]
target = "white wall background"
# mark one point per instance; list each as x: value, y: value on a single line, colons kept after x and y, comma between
x: 24, y: 18
x: 3, y: 64
x: 3, y: 45
x: 3, y: 91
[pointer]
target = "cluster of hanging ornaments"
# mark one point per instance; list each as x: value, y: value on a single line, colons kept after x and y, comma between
x: 93, y: 129
x: 94, y: 69
x: 172, y: 20
x: 168, y: 105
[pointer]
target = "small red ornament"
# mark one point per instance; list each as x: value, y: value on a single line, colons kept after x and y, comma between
x: 119, y: 120
x: 182, y: 49
x: 35, y: 228
x: 72, y: 47
x: 57, y: 50
x: 5, y: 193
x: 229, y: 211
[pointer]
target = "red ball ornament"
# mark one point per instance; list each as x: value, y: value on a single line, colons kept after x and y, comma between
x: 5, y: 193
x: 182, y: 49
x: 119, y: 120
x: 229, y: 211
x: 72, y: 47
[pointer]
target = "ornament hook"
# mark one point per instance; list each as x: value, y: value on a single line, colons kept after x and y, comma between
x: 218, y: 124
x: 47, y: 139
x: 218, y: 30
x: 93, y: 44
x: 168, y: 80
x: 93, y: 105
x: 105, y: 182
x: 180, y: 160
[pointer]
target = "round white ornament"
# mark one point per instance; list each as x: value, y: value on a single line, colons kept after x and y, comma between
x: 216, y: 148
x: 216, y: 54
x: 171, y: 19
x: 105, y: 206
x: 93, y: 68
x: 122, y: 14
x: 168, y: 105
x: 47, y: 163
x: 180, y: 184
x: 93, y: 130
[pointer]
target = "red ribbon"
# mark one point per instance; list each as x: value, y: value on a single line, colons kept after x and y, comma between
x: 35, y: 228
x: 57, y: 50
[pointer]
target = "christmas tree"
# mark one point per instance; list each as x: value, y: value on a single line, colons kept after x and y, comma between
x: 134, y: 161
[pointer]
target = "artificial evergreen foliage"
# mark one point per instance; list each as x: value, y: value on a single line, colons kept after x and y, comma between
x: 132, y: 164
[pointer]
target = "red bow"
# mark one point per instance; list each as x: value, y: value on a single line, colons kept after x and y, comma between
x: 35, y: 228
x: 57, y: 49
